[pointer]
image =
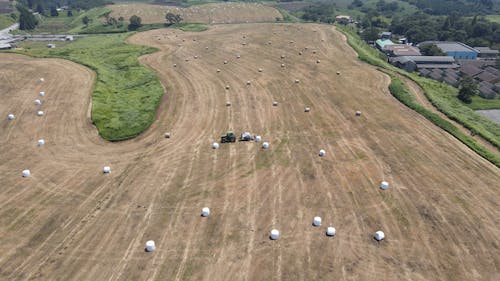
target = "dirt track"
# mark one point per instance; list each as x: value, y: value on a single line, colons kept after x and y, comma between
x: 68, y: 221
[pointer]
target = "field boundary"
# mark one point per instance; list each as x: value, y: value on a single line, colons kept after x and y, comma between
x: 404, y: 96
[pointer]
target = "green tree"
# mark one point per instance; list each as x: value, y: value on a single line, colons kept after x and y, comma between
x: 27, y: 20
x: 172, y: 18
x: 70, y: 13
x: 431, y: 50
x: 54, y: 12
x: 467, y: 89
x: 135, y: 22
x: 13, y: 16
x: 85, y: 20
x: 39, y: 9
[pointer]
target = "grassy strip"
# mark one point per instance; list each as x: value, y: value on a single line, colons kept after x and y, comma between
x: 126, y: 94
x: 441, y: 95
x: 287, y: 17
x: 6, y: 21
x: 399, y: 90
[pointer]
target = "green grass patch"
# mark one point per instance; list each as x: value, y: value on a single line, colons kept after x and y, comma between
x: 97, y: 23
x: 287, y: 17
x: 479, y: 103
x: 6, y: 20
x: 126, y: 94
x: 441, y: 95
x: 493, y: 18
x: 399, y: 90
x: 190, y: 27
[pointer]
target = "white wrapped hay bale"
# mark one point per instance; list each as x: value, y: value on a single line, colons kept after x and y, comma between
x: 42, y: 94
x: 38, y: 102
x: 275, y: 103
x: 26, y: 173
x: 331, y: 231
x: 282, y: 65
x: 379, y: 235
x: 265, y: 145
x: 40, y: 142
x: 322, y: 153
x: 215, y: 145
x: 258, y: 138
x: 384, y: 185
x: 307, y: 109
x: 11, y: 116
x: 317, y: 221
x: 358, y: 113
x: 167, y: 135
x: 42, y: 80
x: 106, y: 169
x: 275, y: 234
x: 150, y: 246
x: 40, y: 113
x: 205, y: 212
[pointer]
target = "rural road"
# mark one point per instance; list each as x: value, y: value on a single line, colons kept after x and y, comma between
x: 5, y: 33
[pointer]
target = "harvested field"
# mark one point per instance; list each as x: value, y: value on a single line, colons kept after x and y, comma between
x: 208, y: 13
x: 68, y: 220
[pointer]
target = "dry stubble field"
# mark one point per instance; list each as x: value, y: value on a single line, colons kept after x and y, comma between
x: 209, y: 13
x: 68, y: 221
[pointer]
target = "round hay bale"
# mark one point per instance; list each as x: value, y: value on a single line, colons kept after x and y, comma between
x: 269, y: 42
x: 26, y: 173
x: 291, y: 42
x: 11, y: 116
x: 187, y: 59
x: 317, y: 221
x: 318, y: 61
x: 195, y: 57
x: 338, y: 72
x: 225, y: 62
x: 249, y: 82
x: 206, y: 48
x: 227, y: 87
x: 275, y: 234
x: 282, y: 56
x: 42, y: 80
x: 384, y: 185
x: 297, y: 81
x: 238, y: 56
x: 215, y: 145
x: 331, y: 231
x: 265, y: 145
x: 42, y: 94
x: 307, y: 109
x: 300, y: 53
x: 175, y: 65
x: 379, y: 235
x: 358, y: 113
x: 275, y: 103
x: 218, y: 70
x: 167, y: 135
x: 40, y: 142
x: 282, y: 65
x: 244, y: 43
x: 38, y: 102
x: 322, y: 153
x: 205, y: 212
x: 150, y: 246
x: 40, y: 113
x: 106, y: 170
x: 260, y: 70
x: 258, y: 138
x: 314, y: 51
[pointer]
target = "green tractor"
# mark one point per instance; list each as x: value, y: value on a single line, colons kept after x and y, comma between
x: 229, y: 137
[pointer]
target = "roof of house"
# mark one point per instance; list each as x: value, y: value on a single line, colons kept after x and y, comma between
x: 485, y: 91
x: 470, y: 70
x: 450, y: 46
x: 486, y: 50
x: 383, y: 42
x: 437, y: 65
x: 493, y: 71
x: 436, y: 76
x: 431, y: 59
x: 424, y: 71
x: 486, y: 76
x: 403, y: 50
x: 5, y: 46
x: 388, y: 33
x: 450, y: 80
x: 343, y: 17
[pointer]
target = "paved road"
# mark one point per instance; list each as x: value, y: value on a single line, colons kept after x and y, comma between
x: 4, y: 33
